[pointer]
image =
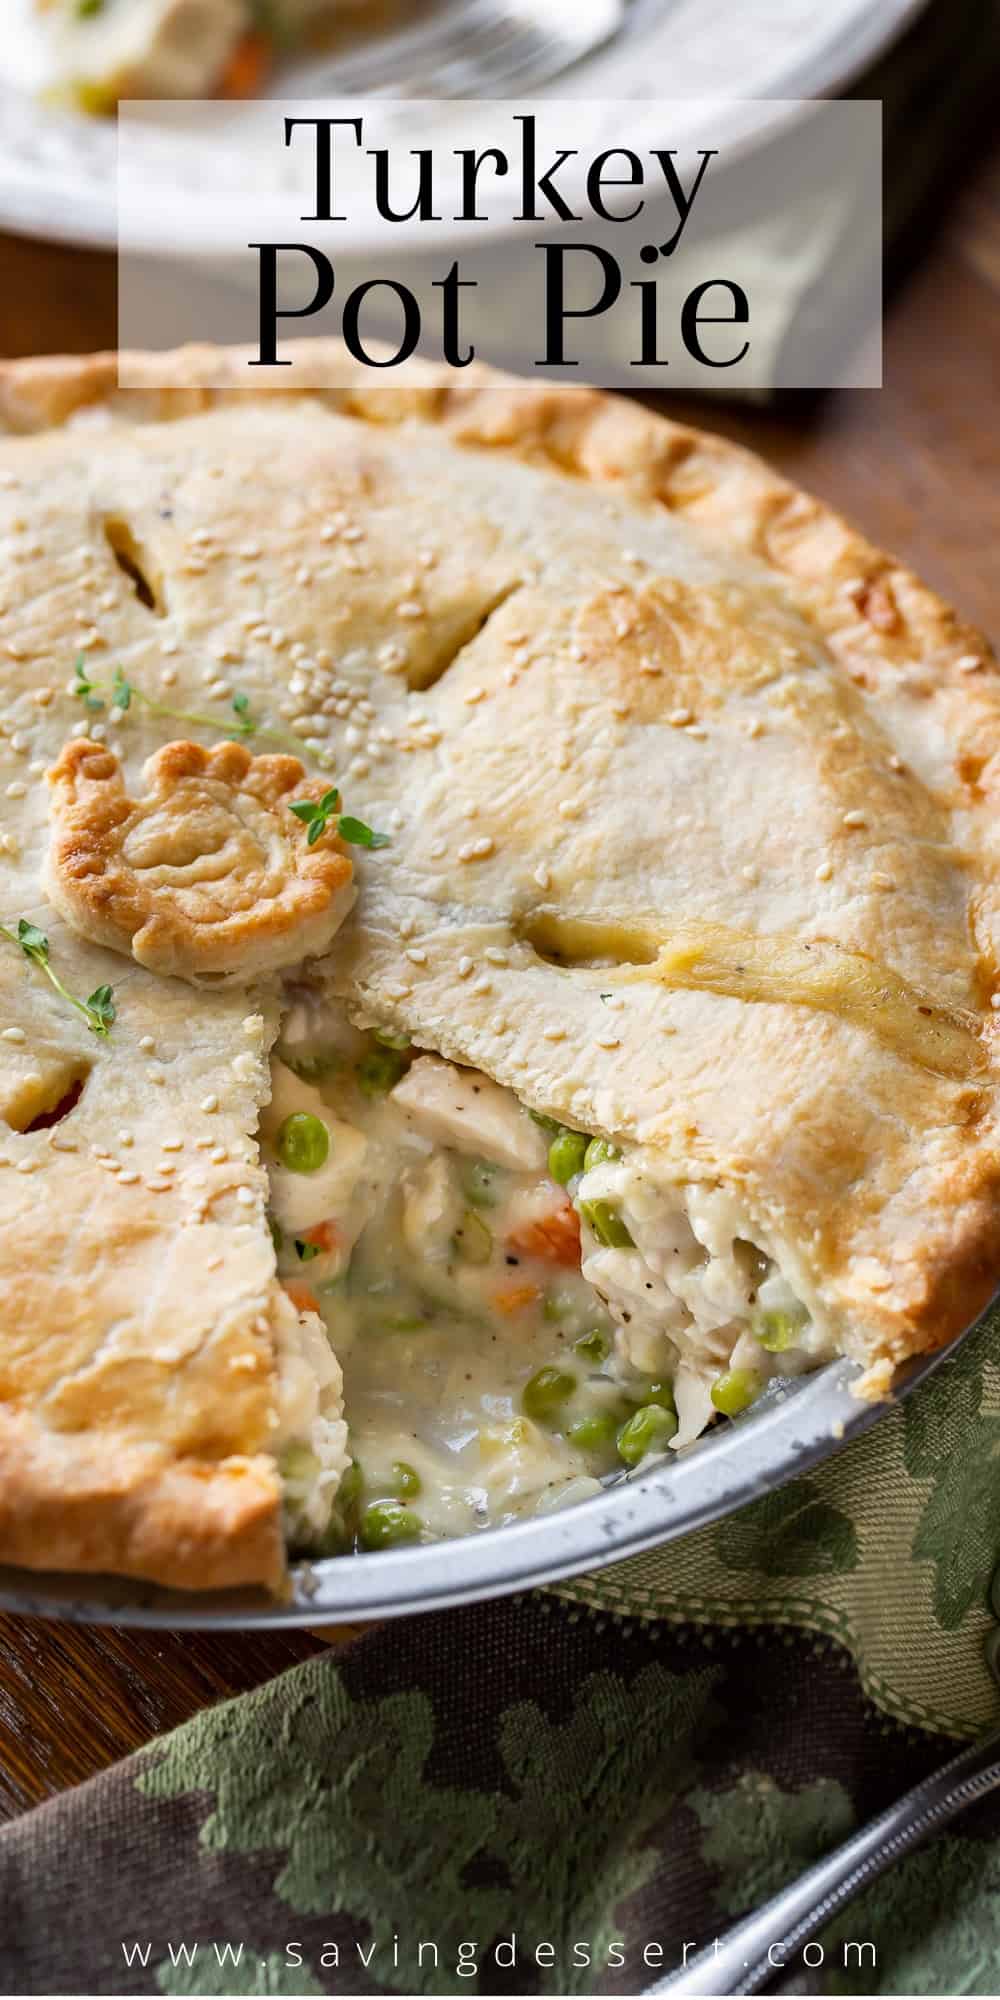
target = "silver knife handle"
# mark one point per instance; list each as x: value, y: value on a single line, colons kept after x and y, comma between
x: 754, y: 1951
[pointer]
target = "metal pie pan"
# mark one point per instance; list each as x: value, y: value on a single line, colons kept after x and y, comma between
x: 795, y: 1426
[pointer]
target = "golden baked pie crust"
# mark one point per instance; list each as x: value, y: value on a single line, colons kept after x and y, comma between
x: 618, y: 663
x: 208, y: 873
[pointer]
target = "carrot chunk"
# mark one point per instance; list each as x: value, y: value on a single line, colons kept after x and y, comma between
x: 553, y: 1237
x: 247, y: 67
x: 302, y: 1296
x: 513, y: 1297
x: 325, y: 1236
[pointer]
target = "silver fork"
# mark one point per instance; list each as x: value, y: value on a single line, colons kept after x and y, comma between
x: 755, y: 1950
x: 483, y: 48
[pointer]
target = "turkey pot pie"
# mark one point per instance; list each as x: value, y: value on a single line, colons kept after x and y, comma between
x: 655, y: 1056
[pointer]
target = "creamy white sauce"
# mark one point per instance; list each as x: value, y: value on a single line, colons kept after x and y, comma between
x: 444, y: 1264
x: 688, y: 1293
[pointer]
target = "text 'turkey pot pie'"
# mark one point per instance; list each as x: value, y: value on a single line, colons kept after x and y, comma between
x: 498, y: 944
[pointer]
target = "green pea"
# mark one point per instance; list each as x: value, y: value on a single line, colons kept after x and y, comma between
x: 377, y: 1072
x: 479, y: 1179
x: 606, y: 1224
x: 777, y: 1331
x: 385, y: 1523
x: 550, y: 1125
x: 594, y: 1433
x: 303, y: 1143
x: 472, y: 1241
x: 594, y: 1346
x: 649, y: 1430
x: 305, y: 1252
x: 406, y: 1480
x: 387, y: 1038
x: 349, y: 1490
x: 735, y: 1389
x: 661, y: 1393
x: 566, y: 1155
x: 597, y: 1152
x: 311, y: 1068
x: 545, y: 1393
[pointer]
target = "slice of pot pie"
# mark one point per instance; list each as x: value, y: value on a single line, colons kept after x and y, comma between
x: 646, y: 1053
x: 102, y: 50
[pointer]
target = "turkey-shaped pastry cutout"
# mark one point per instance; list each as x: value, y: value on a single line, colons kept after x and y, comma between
x: 208, y: 875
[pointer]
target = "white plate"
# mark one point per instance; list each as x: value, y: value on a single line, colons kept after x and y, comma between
x: 58, y: 170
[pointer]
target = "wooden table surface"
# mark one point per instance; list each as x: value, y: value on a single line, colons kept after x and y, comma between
x: 916, y: 463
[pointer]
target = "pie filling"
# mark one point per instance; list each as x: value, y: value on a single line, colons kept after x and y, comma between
x: 100, y: 50
x: 518, y: 1310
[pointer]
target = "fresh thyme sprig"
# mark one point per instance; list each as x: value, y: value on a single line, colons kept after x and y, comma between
x: 83, y: 686
x: 119, y: 696
x: 98, y: 1010
x: 358, y: 834
x: 317, y: 818
x: 96, y: 695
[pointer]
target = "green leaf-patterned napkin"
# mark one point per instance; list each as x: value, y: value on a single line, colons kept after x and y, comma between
x: 889, y: 1548
x: 512, y: 1798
